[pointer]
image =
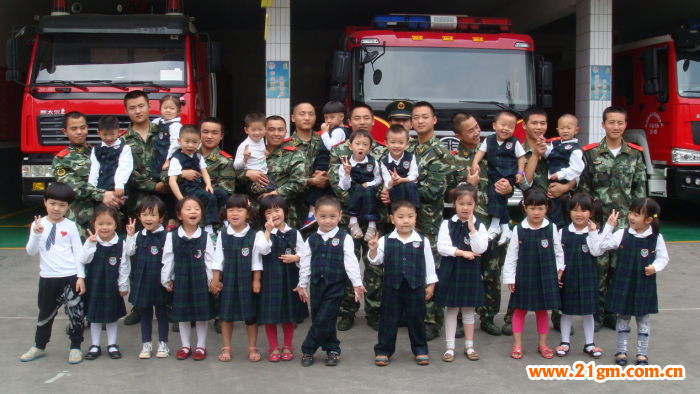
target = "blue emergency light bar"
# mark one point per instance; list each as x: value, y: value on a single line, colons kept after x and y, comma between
x: 401, y: 21
x: 441, y: 22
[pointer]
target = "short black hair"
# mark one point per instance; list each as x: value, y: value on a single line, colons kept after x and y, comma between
x: 458, y: 119
x: 108, y: 123
x: 254, y: 117
x: 102, y: 209
x: 211, y: 119
x: 649, y: 209
x: 181, y: 203
x: 333, y: 107
x: 506, y: 113
x: 402, y: 203
x: 189, y: 129
x: 275, y: 117
x: 424, y: 104
x: 328, y: 201
x: 134, y: 94
x: 614, y: 109
x: 59, y: 191
x: 534, y: 197
x: 533, y: 111
x: 72, y: 115
x: 273, y: 201
x: 361, y: 133
x: 151, y: 204
x: 397, y: 129
x: 362, y: 105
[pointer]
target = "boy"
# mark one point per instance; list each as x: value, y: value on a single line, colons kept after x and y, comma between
x: 359, y: 175
x: 188, y: 158
x: 61, y: 275
x: 564, y: 161
x: 332, y: 134
x: 111, y: 162
x: 506, y: 160
x: 251, y: 153
x: 409, y: 280
x: 327, y: 261
x: 399, y: 168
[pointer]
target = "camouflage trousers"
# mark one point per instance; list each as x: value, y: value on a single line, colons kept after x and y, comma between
x: 434, y: 313
x: 373, y: 280
x: 491, y: 265
x: 606, y: 269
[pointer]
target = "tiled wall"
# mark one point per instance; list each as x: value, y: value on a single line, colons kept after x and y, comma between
x: 277, y: 47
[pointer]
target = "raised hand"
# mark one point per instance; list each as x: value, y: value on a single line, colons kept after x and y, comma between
x: 38, y: 228
x: 92, y: 237
x: 346, y: 165
x: 246, y: 154
x: 131, y: 227
x: 395, y: 178
x: 373, y: 243
x: 591, y: 226
x: 269, y: 225
x: 325, y: 127
x: 612, y: 220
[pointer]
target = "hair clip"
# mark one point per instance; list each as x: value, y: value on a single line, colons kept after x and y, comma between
x: 248, y: 202
x: 655, y: 216
x: 461, y: 183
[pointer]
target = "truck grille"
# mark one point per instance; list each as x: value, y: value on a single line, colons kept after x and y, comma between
x: 49, y: 128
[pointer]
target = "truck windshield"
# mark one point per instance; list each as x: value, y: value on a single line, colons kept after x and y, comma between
x: 688, y: 71
x: 450, y: 75
x: 109, y: 57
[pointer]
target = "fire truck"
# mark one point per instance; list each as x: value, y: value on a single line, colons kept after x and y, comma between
x: 657, y: 81
x: 457, y: 63
x: 87, y: 62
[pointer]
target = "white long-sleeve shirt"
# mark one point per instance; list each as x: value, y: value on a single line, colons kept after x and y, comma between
x: 130, y: 245
x: 611, y: 240
x: 478, y: 240
x: 592, y: 240
x: 352, y: 266
x: 218, y: 263
x: 412, y: 169
x: 264, y: 247
x: 175, y: 168
x: 89, y: 249
x: 511, y: 262
x: 346, y: 180
x: 168, y: 271
x: 333, y: 137
x: 65, y: 257
x: 576, y: 163
x: 257, y: 159
x: 430, y: 275
x: 124, y: 168
x: 174, y: 131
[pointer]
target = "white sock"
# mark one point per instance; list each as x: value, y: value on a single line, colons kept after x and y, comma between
x: 209, y: 229
x: 95, y: 333
x: 495, y: 222
x: 372, y: 224
x: 353, y: 219
x: 588, y: 328
x: 565, y: 327
x: 505, y: 228
x: 450, y: 346
x: 111, y: 333
x: 185, y: 331
x: 202, y: 327
x: 468, y: 344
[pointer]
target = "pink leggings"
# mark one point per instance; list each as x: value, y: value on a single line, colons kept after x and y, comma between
x: 287, y: 330
x: 519, y: 321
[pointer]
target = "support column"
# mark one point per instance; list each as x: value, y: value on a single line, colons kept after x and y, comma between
x: 277, y: 48
x: 593, y: 48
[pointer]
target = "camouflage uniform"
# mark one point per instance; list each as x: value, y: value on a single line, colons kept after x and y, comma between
x: 615, y: 181
x: 220, y: 171
x: 142, y: 184
x: 373, y: 274
x: 435, y: 166
x: 308, y: 150
x: 72, y: 167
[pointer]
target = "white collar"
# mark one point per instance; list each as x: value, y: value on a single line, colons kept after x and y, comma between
x: 572, y: 229
x: 353, y: 162
x: 115, y: 144
x: 159, y: 229
x: 111, y: 242
x: 526, y: 224
x: 286, y: 229
x: 456, y: 219
x: 231, y: 231
x: 181, y: 233
x: 391, y: 158
x: 571, y: 141
x: 643, y: 235
x: 329, y: 234
x: 177, y: 119
x: 412, y: 238
x: 192, y: 155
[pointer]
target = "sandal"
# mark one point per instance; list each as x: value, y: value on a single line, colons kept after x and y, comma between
x: 545, y: 351
x: 370, y: 233
x: 517, y: 352
x: 561, y: 352
x: 473, y: 356
x: 273, y: 358
x: 355, y: 230
x: 642, y: 359
x: 255, y: 357
x: 620, y: 360
x: 287, y: 356
x: 381, y: 361
x: 594, y: 352
x: 449, y: 355
x: 225, y: 355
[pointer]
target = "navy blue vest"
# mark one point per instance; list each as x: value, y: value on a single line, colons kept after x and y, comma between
x: 558, y: 158
x: 189, y: 163
x: 502, y: 157
x: 363, y: 172
x: 108, y: 157
x: 404, y: 261
x: 327, y: 258
x: 404, y: 164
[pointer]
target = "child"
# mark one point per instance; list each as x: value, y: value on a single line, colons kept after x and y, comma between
x: 360, y: 175
x: 187, y: 261
x: 189, y: 159
x: 107, y: 281
x: 400, y: 168
x: 111, y: 162
x: 280, y: 246
x: 409, y: 280
x: 459, y: 275
x: 332, y: 133
x: 564, y: 162
x: 506, y: 160
x: 146, y: 251
x: 61, y: 274
x: 168, y: 126
x: 641, y: 254
x: 251, y: 153
x: 328, y: 260
x: 532, y: 263
x: 237, y: 271
x: 579, y: 282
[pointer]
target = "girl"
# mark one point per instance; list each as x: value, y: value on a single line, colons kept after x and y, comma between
x: 146, y: 251
x: 579, y: 282
x: 237, y: 276
x: 459, y: 277
x: 187, y: 259
x: 107, y: 280
x: 532, y: 263
x: 642, y: 253
x: 280, y: 246
x: 168, y: 126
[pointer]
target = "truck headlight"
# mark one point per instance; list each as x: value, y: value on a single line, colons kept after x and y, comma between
x: 26, y: 171
x: 37, y: 171
x: 682, y: 156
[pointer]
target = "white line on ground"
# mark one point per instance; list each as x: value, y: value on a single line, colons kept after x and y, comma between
x: 58, y: 376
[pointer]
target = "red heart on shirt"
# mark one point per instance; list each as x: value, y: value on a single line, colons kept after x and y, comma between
x: 64, y: 233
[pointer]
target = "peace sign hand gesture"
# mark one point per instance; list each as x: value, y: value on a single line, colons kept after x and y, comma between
x: 38, y: 228
x: 246, y: 154
x: 591, y: 226
x: 612, y: 220
x: 131, y: 227
x: 395, y: 178
x: 92, y: 237
x: 346, y: 165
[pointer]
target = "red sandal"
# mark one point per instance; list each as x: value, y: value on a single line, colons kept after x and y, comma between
x: 545, y: 351
x: 517, y: 352
x: 287, y: 356
x: 273, y: 358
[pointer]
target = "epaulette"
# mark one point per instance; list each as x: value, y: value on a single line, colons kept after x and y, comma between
x: 339, y: 143
x: 122, y: 133
x: 287, y: 139
x: 290, y: 148
x: 635, y: 146
x: 63, y: 153
x: 224, y: 154
x: 454, y: 153
x: 380, y: 143
x: 320, y: 132
x: 553, y: 139
x: 590, y: 146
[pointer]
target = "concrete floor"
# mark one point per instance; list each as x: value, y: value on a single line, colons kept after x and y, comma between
x: 672, y: 342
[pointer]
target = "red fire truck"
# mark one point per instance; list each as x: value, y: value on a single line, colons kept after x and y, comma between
x: 457, y: 63
x: 87, y: 63
x: 657, y: 81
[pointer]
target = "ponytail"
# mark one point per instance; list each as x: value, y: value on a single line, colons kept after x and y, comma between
x: 648, y: 208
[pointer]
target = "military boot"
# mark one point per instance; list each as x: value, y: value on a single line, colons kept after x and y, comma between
x: 598, y: 323
x: 346, y: 322
x: 490, y: 328
x: 431, y: 332
x: 459, y: 333
x: 134, y: 317
x: 507, y: 329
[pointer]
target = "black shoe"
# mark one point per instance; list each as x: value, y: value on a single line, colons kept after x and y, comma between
x: 217, y: 326
x: 460, y: 331
x: 134, y: 317
x: 307, y: 360
x: 346, y: 322
x: 93, y: 353
x: 332, y: 359
x: 176, y: 327
x: 114, y: 354
x: 431, y: 333
x: 490, y: 328
x: 507, y: 329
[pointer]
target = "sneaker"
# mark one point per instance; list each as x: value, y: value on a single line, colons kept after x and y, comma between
x: 163, y: 351
x: 346, y: 322
x: 310, y: 221
x: 505, y: 237
x: 146, y: 350
x: 507, y: 329
x: 33, y: 354
x: 93, y: 353
x: 332, y: 359
x: 133, y: 318
x: 491, y: 328
x: 307, y: 360
x: 493, y: 233
x: 75, y: 356
x: 423, y: 359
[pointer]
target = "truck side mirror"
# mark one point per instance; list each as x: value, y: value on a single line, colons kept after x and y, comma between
x: 12, y: 58
x: 650, y: 70
x: 339, y: 93
x: 216, y: 63
x: 545, y: 76
x: 339, y: 72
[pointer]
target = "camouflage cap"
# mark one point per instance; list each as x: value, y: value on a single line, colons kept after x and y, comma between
x: 399, y: 109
